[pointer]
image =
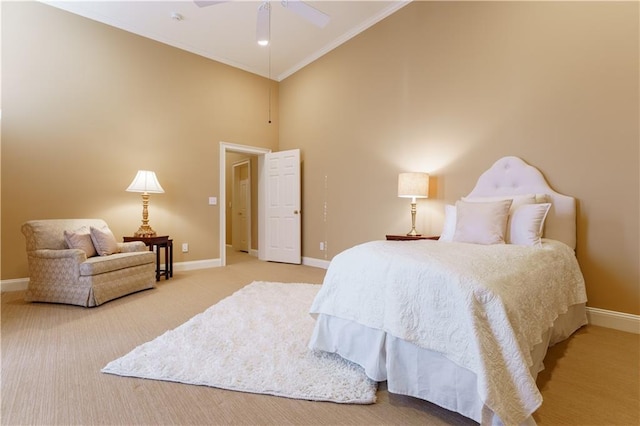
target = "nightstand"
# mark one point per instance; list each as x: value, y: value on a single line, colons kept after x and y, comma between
x: 155, y: 244
x: 410, y: 237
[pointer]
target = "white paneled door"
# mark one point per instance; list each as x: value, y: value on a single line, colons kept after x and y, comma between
x: 283, y: 214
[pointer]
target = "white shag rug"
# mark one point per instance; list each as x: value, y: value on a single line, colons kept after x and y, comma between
x: 253, y: 341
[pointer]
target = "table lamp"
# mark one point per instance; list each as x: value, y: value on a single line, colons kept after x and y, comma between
x: 147, y: 183
x: 413, y: 185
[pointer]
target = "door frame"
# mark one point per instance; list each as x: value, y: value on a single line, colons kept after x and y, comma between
x: 243, y: 149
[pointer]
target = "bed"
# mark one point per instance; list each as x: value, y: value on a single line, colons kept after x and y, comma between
x: 463, y: 322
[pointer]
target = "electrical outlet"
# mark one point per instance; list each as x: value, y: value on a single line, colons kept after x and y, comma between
x: 321, y: 246
x: 185, y: 247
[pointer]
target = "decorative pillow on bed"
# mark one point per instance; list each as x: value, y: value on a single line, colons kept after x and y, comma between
x: 104, y: 241
x: 449, y: 227
x: 517, y: 200
x: 80, y: 239
x: 542, y: 198
x: 481, y: 223
x: 527, y: 224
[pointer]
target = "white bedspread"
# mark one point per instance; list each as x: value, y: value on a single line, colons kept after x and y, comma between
x: 483, y: 307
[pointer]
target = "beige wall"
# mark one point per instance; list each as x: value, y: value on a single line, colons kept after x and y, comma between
x: 86, y: 105
x: 448, y: 88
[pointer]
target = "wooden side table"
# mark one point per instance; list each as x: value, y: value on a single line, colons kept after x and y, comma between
x: 410, y: 237
x: 158, y: 243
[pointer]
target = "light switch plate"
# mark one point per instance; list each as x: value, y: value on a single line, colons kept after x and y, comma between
x: 213, y: 201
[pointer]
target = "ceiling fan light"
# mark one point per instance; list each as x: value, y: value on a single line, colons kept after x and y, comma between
x: 263, y: 25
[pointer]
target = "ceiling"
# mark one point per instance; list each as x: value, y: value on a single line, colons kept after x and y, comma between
x: 226, y: 31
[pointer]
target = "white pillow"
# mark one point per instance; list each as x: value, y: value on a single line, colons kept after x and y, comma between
x: 542, y: 198
x: 481, y: 223
x: 517, y: 200
x: 449, y: 227
x: 104, y: 241
x: 527, y: 224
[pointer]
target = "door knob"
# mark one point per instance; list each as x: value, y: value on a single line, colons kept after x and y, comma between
x: 295, y: 212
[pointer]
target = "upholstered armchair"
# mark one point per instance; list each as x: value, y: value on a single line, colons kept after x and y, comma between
x: 78, y: 262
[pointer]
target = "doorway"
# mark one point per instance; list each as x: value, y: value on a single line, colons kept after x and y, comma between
x: 225, y: 148
x: 241, y: 207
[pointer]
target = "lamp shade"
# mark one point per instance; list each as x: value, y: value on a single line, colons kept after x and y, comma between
x: 147, y: 182
x: 413, y: 185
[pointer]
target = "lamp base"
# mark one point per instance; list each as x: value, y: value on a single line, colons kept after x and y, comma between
x: 413, y: 232
x: 144, y: 231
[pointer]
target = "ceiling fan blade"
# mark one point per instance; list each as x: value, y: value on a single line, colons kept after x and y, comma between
x: 307, y: 12
x: 205, y: 3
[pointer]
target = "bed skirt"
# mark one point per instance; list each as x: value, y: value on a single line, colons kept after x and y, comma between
x: 421, y: 373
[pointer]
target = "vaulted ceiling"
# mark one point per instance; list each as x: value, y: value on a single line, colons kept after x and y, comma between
x: 225, y: 31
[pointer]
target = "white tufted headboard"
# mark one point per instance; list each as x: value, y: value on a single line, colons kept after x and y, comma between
x: 512, y: 176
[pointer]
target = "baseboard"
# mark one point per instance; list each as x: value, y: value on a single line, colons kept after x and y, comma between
x: 196, y: 264
x: 316, y: 263
x: 14, y: 285
x: 612, y: 319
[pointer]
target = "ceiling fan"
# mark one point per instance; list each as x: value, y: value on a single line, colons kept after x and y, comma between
x: 300, y: 8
